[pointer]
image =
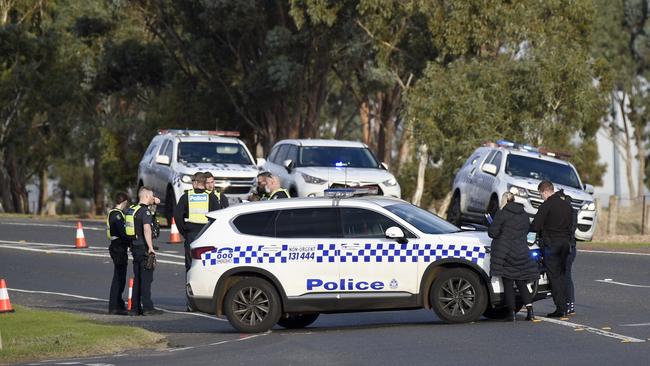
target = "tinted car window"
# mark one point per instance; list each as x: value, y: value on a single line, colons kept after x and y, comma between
x: 497, y: 161
x: 281, y: 155
x: 293, y: 153
x: 330, y: 156
x: 423, y: 220
x: 212, y: 152
x: 317, y: 222
x: 362, y: 223
x: 168, y: 150
x: 273, y: 153
x: 526, y: 167
x: 258, y: 223
x: 162, y: 148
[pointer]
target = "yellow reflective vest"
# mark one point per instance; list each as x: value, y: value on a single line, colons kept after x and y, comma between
x: 108, y: 224
x: 129, y: 220
x: 272, y: 196
x: 198, y: 204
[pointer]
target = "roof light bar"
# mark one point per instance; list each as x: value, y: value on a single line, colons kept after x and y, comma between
x: 198, y: 132
x: 338, y: 193
x: 540, y: 150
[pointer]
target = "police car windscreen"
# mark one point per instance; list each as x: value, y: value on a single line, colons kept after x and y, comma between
x: 212, y: 152
x: 423, y: 220
x: 336, y: 156
x: 523, y: 166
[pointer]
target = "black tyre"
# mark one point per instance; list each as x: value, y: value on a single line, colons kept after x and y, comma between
x: 493, y: 206
x: 252, y: 305
x: 170, y: 206
x: 297, y: 321
x: 458, y: 296
x: 453, y: 212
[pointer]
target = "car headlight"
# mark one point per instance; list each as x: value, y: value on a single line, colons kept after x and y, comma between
x: 186, y: 179
x: 312, y: 180
x: 390, y: 182
x: 517, y: 191
x: 589, y: 206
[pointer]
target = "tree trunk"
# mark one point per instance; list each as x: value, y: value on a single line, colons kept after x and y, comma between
x: 419, y: 190
x: 364, y: 116
x: 16, y: 182
x: 628, y: 150
x: 63, y: 194
x: 5, y: 196
x: 98, y: 187
x: 42, y: 190
x: 404, y: 150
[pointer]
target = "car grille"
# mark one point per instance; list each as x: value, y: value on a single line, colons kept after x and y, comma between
x: 236, y: 190
x: 240, y: 181
x: 583, y: 227
x: 536, y: 200
x: 341, y: 185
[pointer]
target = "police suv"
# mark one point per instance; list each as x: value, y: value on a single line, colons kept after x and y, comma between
x: 173, y: 156
x: 504, y: 166
x: 287, y: 261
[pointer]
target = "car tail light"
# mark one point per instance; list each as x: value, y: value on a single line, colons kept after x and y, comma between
x: 196, y: 252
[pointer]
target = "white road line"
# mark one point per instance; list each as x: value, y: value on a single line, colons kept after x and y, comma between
x: 607, y: 280
x: 105, y: 300
x: 66, y: 249
x: 636, y: 325
x: 593, y: 330
x: 610, y: 252
x: 67, y: 226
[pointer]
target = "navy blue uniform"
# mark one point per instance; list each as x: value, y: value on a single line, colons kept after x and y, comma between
x: 143, y: 278
x: 118, y: 251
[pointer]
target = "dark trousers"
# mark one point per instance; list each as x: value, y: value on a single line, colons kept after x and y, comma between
x: 570, y: 289
x: 142, y: 279
x: 509, y: 292
x: 120, y: 263
x: 189, y: 238
x: 555, y: 259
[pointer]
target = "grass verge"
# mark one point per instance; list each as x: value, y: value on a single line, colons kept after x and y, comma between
x: 29, y: 334
x: 613, y: 246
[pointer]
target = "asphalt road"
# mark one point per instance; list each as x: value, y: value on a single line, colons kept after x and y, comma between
x: 42, y: 269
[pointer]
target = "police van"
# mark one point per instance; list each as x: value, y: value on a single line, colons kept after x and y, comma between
x: 286, y: 261
x: 505, y: 166
x: 173, y: 156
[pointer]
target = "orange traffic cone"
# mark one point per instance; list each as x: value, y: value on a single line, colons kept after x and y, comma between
x: 174, y: 235
x: 5, y: 304
x: 128, y: 304
x: 80, y: 243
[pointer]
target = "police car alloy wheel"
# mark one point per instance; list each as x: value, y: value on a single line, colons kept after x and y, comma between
x: 297, y: 321
x: 252, y: 305
x: 457, y: 295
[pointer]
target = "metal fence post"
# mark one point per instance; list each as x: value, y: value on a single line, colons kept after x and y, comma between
x: 643, y: 217
x: 612, y: 216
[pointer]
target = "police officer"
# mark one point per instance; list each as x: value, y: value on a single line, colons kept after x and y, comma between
x: 118, y: 248
x: 554, y: 221
x: 190, y: 213
x: 570, y: 288
x: 274, y: 190
x: 260, y: 193
x: 209, y: 186
x: 139, y: 228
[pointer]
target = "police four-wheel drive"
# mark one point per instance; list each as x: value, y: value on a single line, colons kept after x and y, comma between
x: 287, y: 261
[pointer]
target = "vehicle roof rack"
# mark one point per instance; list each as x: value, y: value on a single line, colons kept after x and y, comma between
x: 180, y: 132
x: 338, y: 193
x: 523, y: 147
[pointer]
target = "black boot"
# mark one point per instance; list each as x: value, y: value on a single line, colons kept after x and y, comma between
x: 557, y: 314
x: 530, y: 313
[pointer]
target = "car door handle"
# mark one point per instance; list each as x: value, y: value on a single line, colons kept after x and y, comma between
x: 351, y: 247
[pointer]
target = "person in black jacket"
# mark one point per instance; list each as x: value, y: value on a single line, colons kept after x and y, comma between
x: 510, y: 257
x: 118, y: 251
x: 570, y: 288
x: 554, y: 220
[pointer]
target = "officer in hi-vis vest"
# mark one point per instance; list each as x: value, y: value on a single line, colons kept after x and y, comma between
x: 274, y: 190
x: 118, y: 249
x: 209, y: 186
x: 190, y: 213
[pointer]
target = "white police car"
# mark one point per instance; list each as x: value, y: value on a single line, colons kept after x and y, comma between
x: 287, y: 261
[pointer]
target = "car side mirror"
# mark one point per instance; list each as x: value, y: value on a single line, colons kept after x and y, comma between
x: 384, y: 166
x: 162, y: 159
x: 288, y: 164
x: 396, y: 234
x: 490, y: 169
x: 260, y: 162
x: 589, y: 188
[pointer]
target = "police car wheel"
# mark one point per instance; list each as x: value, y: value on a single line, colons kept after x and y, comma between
x: 453, y: 213
x: 252, y: 305
x: 457, y: 295
x: 297, y: 321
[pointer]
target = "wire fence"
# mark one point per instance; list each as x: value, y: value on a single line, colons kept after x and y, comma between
x: 622, y: 216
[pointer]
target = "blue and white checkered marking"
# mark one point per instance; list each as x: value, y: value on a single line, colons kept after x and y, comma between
x: 369, y: 253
